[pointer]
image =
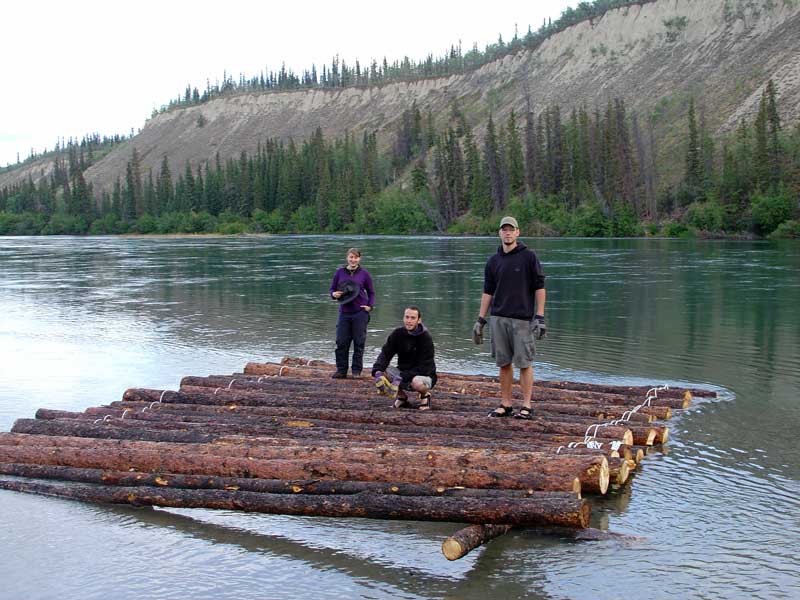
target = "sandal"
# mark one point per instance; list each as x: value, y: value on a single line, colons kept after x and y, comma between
x: 401, y: 401
x: 425, y: 401
x: 502, y: 411
x: 524, y: 413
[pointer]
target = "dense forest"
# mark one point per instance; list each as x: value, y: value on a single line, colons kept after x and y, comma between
x: 585, y: 173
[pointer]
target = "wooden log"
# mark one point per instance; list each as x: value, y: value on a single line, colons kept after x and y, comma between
x: 467, y: 539
x: 310, y: 400
x: 618, y: 470
x: 320, y: 364
x: 592, y: 470
x: 320, y: 435
x: 254, y: 368
x: 410, y: 421
x: 462, y: 439
x: 644, y: 436
x: 575, y: 426
x: 271, y: 486
x: 66, y: 423
x: 518, y: 511
x: 218, y: 384
x: 192, y: 463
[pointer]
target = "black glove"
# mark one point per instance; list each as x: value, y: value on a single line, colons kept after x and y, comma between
x: 539, y: 328
x: 477, y: 330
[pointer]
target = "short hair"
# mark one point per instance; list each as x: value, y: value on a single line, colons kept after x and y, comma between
x: 355, y: 251
x: 416, y: 308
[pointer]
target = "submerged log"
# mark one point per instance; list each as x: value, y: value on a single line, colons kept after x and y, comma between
x: 567, y: 512
x: 463, y: 541
x: 271, y: 486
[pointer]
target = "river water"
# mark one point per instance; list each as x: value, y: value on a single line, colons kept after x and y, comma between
x: 716, y: 515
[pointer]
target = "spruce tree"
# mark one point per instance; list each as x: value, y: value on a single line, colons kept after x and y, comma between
x: 693, y: 162
x: 515, y: 162
x: 494, y: 167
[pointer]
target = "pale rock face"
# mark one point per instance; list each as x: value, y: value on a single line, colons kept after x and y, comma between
x: 653, y: 55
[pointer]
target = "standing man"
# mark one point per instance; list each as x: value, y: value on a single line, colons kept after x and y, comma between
x: 416, y: 369
x: 513, y: 288
x: 352, y: 288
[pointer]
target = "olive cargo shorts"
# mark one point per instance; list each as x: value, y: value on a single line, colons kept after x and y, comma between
x: 512, y: 342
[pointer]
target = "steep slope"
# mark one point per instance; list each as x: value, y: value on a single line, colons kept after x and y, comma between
x: 654, y: 56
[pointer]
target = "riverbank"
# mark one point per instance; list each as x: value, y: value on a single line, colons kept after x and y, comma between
x: 205, y: 224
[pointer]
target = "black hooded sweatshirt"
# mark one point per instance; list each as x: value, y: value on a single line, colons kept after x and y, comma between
x: 414, y: 352
x: 512, y: 279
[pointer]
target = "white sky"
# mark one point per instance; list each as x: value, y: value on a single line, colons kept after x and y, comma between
x: 72, y: 68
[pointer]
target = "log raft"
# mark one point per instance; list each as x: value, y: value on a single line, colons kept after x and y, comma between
x: 286, y: 439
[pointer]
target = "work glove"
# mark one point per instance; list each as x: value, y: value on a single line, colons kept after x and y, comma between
x: 477, y: 330
x: 538, y: 326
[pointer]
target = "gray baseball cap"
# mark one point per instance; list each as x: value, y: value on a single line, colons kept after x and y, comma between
x: 509, y: 221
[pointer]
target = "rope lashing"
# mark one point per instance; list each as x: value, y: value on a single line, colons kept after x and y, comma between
x: 104, y: 419
x: 589, y: 437
x: 125, y: 412
x: 160, y: 399
x: 216, y: 390
x: 231, y: 383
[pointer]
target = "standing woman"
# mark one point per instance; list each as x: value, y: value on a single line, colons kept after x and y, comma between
x: 352, y: 288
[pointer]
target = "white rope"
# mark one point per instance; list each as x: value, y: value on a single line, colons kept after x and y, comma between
x: 280, y: 371
x: 216, y: 390
x: 589, y: 437
x: 161, y: 397
x: 104, y: 419
x: 125, y: 412
x: 231, y: 383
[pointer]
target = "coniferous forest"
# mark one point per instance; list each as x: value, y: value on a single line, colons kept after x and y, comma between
x: 591, y: 171
x: 585, y: 173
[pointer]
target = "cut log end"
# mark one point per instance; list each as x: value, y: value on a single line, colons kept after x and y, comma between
x: 453, y: 550
x: 627, y: 437
x: 604, y: 476
x: 623, y: 473
x: 651, y: 437
x: 664, y: 435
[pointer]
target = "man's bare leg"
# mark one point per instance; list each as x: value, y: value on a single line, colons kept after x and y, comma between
x: 526, y: 383
x: 506, y: 384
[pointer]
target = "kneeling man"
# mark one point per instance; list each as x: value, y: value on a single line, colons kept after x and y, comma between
x: 416, y: 369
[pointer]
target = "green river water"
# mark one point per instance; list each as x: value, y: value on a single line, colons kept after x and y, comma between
x: 716, y: 515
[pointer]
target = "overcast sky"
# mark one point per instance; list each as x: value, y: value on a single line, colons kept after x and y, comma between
x: 72, y: 68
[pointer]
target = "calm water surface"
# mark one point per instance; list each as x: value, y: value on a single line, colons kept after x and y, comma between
x: 715, y: 516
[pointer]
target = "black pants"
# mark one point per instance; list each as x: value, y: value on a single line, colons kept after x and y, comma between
x: 351, y: 327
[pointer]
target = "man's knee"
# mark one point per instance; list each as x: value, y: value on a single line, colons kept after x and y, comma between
x: 420, y: 384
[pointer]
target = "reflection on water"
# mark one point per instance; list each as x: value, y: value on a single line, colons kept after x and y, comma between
x: 715, y: 516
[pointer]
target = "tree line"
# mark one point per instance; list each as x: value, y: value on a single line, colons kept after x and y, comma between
x: 588, y: 172
x: 339, y: 73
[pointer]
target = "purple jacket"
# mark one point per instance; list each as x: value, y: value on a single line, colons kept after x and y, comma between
x: 367, y: 295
